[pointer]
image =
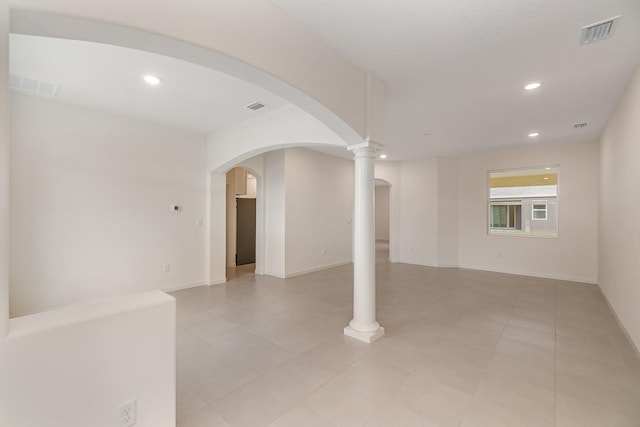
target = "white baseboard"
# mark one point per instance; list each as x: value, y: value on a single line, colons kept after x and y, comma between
x: 217, y: 281
x: 588, y: 280
x: 635, y: 347
x: 314, y: 269
x: 184, y: 286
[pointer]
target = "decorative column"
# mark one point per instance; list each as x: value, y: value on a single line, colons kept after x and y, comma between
x: 364, y: 327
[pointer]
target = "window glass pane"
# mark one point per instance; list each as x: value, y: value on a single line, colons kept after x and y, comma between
x: 539, y: 214
x: 524, y: 202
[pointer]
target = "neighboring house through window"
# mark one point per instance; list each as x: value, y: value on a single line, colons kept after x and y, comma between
x: 524, y: 202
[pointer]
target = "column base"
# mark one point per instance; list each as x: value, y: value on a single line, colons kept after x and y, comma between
x: 367, y: 337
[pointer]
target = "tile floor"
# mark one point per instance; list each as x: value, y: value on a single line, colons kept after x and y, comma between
x: 462, y: 348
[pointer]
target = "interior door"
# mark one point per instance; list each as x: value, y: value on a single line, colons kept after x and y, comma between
x: 245, y: 231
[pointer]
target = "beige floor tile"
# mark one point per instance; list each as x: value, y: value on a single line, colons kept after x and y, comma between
x: 527, y: 352
x: 300, y: 415
x: 336, y: 355
x: 344, y: 403
x: 607, y: 397
x: 531, y: 336
x: 436, y: 402
x: 528, y: 371
x: 482, y: 323
x: 298, y: 377
x: 187, y: 402
x: 398, y: 353
x: 486, y: 413
x: 451, y: 373
x: 630, y: 359
x: 392, y: 413
x: 227, y: 377
x: 462, y: 346
x: 264, y: 356
x: 534, y: 401
x: 576, y: 413
x: 602, y: 373
x: 471, y: 336
x: 585, y: 335
x: 375, y: 375
x: 256, y: 403
x: 203, y: 417
x: 474, y: 355
x: 530, y: 319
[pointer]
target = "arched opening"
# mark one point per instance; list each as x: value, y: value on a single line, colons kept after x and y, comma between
x: 164, y: 270
x: 241, y: 191
x: 383, y: 220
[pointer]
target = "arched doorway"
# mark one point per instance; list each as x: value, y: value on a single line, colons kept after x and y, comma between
x: 382, y: 215
x: 241, y: 222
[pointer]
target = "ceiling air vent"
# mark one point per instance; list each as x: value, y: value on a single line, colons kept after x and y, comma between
x: 579, y: 125
x: 34, y: 86
x: 256, y: 106
x: 599, y: 30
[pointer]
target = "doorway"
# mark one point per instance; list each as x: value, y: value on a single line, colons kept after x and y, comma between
x: 241, y: 222
x: 382, y: 215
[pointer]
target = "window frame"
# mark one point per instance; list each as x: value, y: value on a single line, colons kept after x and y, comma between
x: 520, y: 232
x: 516, y: 203
x: 534, y: 210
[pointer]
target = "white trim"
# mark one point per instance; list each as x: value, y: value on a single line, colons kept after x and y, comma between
x: 534, y: 210
x: 367, y: 337
x: 314, y: 269
x: 585, y: 280
x: 184, y: 286
x: 634, y: 347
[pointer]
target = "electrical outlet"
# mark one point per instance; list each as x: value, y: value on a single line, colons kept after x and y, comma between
x: 167, y: 268
x: 127, y: 413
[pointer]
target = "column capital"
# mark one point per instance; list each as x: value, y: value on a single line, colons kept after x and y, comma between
x: 367, y: 143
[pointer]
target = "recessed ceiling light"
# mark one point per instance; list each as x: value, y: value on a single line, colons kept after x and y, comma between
x: 546, y: 177
x: 533, y: 134
x: 532, y: 85
x: 548, y: 169
x: 152, y: 80
x: 383, y: 156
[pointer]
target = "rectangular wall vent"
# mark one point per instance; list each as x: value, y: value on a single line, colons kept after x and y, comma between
x: 598, y: 31
x: 579, y: 125
x: 34, y: 86
x: 256, y: 106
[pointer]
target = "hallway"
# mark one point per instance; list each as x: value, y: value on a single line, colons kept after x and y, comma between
x: 462, y: 348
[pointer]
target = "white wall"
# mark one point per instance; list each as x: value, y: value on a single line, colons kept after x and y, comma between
x: 448, y: 212
x: 419, y: 212
x: 571, y: 256
x: 619, y: 213
x: 79, y: 362
x: 319, y: 210
x: 4, y: 170
x: 382, y: 212
x: 275, y: 219
x: 90, y: 205
x: 75, y: 366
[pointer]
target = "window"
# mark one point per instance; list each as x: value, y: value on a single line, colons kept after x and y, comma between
x: 523, y: 202
x: 539, y: 212
x: 506, y: 216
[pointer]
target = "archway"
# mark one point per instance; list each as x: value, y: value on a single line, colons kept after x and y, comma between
x: 383, y: 221
x: 244, y: 227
